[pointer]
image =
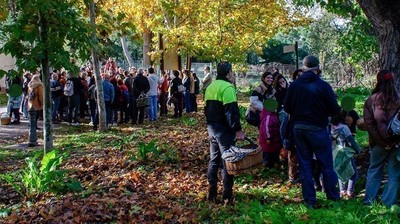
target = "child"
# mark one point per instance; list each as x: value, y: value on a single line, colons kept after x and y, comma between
x: 344, y: 140
x: 15, y: 104
x: 269, y: 136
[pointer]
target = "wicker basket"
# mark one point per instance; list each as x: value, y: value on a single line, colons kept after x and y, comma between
x: 251, y: 161
x: 5, y: 118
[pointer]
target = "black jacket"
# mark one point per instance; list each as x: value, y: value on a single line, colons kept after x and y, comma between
x: 310, y: 101
x: 140, y: 85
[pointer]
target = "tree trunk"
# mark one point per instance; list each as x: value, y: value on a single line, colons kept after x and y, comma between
x: 146, y: 48
x: 47, y: 130
x: 101, y: 107
x: 384, y: 17
x: 126, y: 51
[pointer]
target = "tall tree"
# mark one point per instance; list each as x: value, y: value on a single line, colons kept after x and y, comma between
x: 45, y: 33
x: 224, y: 29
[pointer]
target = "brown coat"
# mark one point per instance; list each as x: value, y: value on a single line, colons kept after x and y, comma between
x: 376, y: 119
x: 36, y: 103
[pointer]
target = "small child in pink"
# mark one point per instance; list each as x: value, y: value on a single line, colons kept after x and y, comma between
x: 269, y: 138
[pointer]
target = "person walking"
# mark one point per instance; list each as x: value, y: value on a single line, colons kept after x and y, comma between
x: 223, y: 125
x: 378, y: 109
x: 310, y: 101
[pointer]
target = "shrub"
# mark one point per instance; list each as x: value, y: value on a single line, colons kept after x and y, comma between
x: 37, y: 178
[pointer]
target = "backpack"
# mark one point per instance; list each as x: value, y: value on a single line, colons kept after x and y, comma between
x: 181, y: 88
x: 69, y: 88
x: 393, y: 127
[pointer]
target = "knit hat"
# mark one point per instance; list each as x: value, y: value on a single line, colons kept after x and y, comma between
x: 223, y: 68
x: 310, y: 62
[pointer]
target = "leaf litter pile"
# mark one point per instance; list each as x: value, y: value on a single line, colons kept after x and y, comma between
x: 166, y: 186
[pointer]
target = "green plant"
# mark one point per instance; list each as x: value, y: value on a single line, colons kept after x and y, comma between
x: 144, y: 150
x: 189, y: 121
x: 39, y: 178
x: 169, y: 153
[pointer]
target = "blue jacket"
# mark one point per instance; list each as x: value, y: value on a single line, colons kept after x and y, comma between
x: 310, y: 101
x: 108, y: 91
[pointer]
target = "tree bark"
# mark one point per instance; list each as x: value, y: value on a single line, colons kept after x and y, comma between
x: 146, y: 48
x: 101, y: 107
x: 384, y: 17
x: 47, y: 130
x: 126, y: 51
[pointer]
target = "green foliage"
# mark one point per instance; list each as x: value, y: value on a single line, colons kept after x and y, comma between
x: 144, y: 150
x: 67, y: 35
x: 189, y: 121
x: 168, y: 153
x: 38, y: 178
x: 3, y: 99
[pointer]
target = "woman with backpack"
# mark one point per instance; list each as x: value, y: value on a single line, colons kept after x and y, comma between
x: 378, y: 109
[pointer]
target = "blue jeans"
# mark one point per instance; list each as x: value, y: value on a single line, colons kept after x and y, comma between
x: 153, y: 108
x: 379, y: 156
x: 56, y: 106
x: 221, y: 139
x: 352, y: 182
x: 318, y: 142
x: 188, y: 102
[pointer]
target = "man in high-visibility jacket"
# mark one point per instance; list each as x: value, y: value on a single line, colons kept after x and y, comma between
x: 223, y: 124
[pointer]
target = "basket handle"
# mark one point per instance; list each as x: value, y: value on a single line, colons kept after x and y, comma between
x: 245, y: 139
x: 1, y: 114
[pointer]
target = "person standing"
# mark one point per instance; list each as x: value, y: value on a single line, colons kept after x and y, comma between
x: 35, y: 105
x: 74, y: 98
x: 56, y: 93
x: 310, y: 101
x: 154, y: 82
x: 164, y: 95
x: 176, y: 96
x: 207, y: 78
x: 109, y: 97
x: 140, y: 86
x: 378, y: 109
x: 196, y: 91
x: 223, y: 125
x: 187, y: 83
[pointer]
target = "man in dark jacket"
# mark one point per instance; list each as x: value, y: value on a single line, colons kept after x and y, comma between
x: 140, y: 86
x: 223, y: 124
x: 74, y: 100
x: 310, y: 101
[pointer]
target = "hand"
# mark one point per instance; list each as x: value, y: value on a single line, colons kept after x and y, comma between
x: 240, y: 135
x: 268, y: 142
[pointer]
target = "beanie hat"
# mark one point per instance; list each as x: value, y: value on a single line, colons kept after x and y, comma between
x: 310, y: 62
x: 223, y: 68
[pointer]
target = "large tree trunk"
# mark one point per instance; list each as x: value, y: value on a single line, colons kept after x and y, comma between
x: 101, y: 107
x: 146, y: 48
x: 384, y: 17
x: 126, y: 51
x: 48, y: 136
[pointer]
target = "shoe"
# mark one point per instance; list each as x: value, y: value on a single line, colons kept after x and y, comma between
x: 95, y: 128
x: 32, y: 144
x: 343, y: 194
x: 68, y: 123
x: 14, y: 122
x: 76, y: 124
x: 91, y: 123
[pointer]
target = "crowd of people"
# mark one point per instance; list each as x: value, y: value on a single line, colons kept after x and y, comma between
x: 304, y: 118
x: 306, y: 121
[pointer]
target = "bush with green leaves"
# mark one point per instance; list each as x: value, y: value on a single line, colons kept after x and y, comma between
x: 189, y: 121
x: 40, y: 177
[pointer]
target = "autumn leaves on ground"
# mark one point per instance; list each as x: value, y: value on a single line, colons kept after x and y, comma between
x: 156, y: 173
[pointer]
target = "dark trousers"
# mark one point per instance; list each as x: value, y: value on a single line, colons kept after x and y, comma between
x: 92, y: 106
x: 73, y: 108
x: 318, y: 142
x: 194, y: 101
x: 138, y: 111
x: 163, y: 104
x: 32, y: 126
x: 123, y: 112
x: 15, y: 111
x: 221, y: 139
x: 178, y: 105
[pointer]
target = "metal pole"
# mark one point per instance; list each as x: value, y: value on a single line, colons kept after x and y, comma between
x: 296, y: 49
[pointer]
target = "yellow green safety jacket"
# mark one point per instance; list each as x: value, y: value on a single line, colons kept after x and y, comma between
x: 221, y: 104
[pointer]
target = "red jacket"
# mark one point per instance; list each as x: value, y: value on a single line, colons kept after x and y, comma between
x: 269, y: 130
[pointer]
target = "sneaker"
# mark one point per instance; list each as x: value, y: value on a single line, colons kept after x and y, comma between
x: 68, y: 123
x: 76, y: 124
x: 91, y: 123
